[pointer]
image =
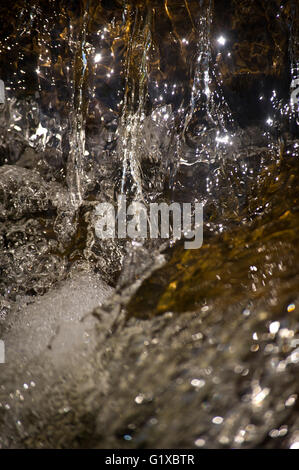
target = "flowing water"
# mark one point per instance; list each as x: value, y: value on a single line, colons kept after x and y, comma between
x: 126, y: 344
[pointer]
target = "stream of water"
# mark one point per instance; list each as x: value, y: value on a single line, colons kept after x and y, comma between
x: 126, y: 344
